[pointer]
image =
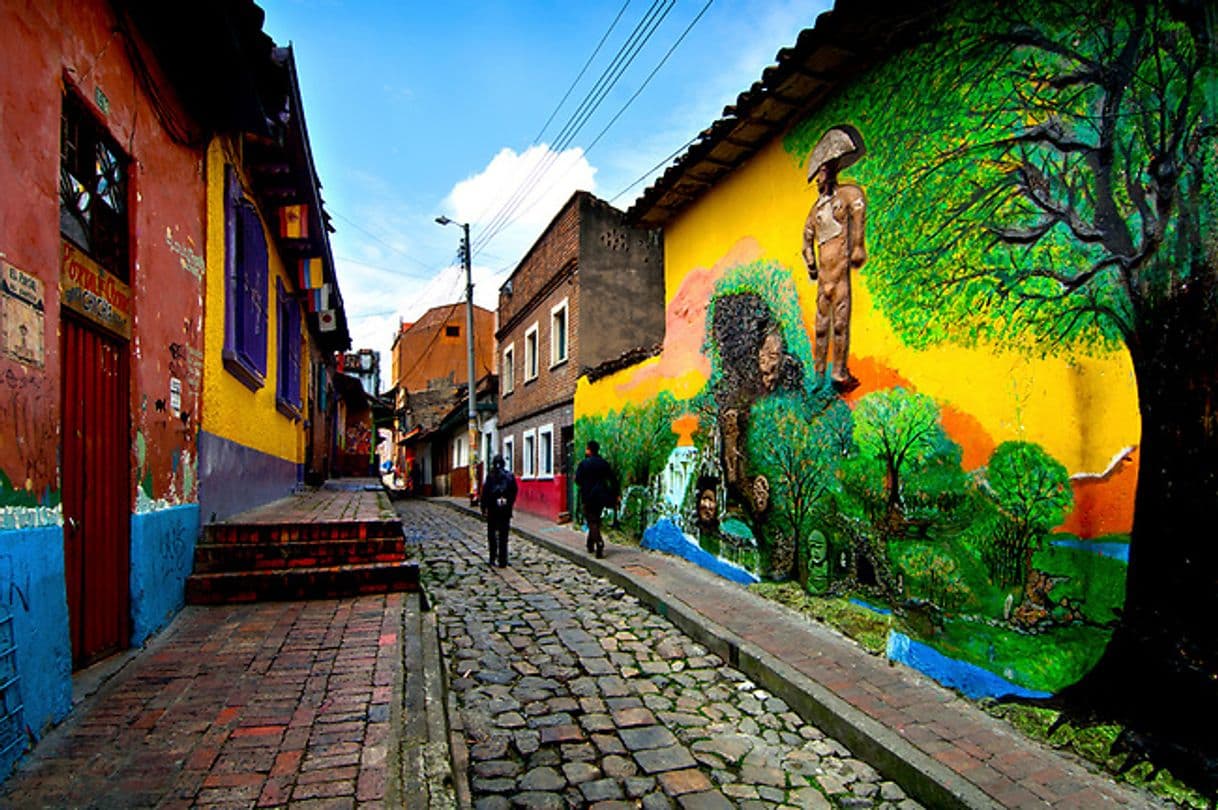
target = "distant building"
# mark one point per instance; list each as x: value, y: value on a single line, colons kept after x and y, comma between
x: 365, y: 366
x: 589, y: 292
x: 430, y: 365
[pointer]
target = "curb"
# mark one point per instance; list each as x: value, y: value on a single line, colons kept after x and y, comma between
x: 428, y: 771
x: 919, y: 775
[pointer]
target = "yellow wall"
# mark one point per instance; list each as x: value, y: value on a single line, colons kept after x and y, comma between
x: 230, y: 409
x: 758, y: 212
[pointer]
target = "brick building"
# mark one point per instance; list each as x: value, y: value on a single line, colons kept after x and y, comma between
x: 590, y: 291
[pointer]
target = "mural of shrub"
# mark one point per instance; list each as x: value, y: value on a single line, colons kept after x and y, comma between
x: 1031, y: 491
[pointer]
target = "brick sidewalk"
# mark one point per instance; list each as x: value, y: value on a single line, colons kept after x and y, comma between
x: 238, y: 706
x: 938, y: 746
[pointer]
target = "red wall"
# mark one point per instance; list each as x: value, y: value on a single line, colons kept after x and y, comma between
x: 44, y: 47
x: 544, y: 497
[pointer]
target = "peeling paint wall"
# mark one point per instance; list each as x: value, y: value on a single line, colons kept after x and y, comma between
x: 46, y: 50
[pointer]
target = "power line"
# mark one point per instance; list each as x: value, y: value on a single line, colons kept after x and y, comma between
x: 369, y: 233
x: 649, y: 172
x: 618, y: 115
x: 625, y: 56
x: 608, y: 79
x: 386, y: 270
x: 584, y: 69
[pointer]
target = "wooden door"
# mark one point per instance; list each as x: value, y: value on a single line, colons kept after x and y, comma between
x: 96, y: 490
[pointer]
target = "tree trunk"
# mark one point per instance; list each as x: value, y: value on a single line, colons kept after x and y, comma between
x: 1160, y: 670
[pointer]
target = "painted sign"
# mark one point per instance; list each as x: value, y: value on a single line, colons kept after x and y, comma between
x: 87, y: 289
x: 22, y: 316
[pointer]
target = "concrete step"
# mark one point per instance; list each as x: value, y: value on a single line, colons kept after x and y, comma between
x: 317, y: 582
x: 217, y: 557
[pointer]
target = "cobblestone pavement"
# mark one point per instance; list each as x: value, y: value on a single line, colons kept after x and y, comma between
x: 572, y: 694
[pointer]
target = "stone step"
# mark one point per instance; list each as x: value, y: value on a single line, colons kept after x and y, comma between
x: 217, y: 557
x: 297, y: 532
x: 319, y: 582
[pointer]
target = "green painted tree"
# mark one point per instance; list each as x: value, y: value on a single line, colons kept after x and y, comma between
x: 1043, y: 181
x: 797, y: 449
x: 1031, y: 490
x: 897, y: 428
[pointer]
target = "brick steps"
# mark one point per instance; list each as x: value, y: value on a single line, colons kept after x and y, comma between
x: 313, y: 582
x: 312, y: 545
x: 254, y: 556
x: 297, y: 532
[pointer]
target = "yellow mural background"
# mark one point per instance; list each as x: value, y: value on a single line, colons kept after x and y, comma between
x: 1082, y: 410
x: 230, y: 409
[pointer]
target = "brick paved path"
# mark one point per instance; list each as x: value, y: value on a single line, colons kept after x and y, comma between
x: 572, y: 694
x: 235, y: 707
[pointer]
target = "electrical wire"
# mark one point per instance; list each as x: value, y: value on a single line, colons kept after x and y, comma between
x: 583, y: 70
x: 618, y: 115
x: 662, y: 163
x: 592, y: 101
x: 608, y: 79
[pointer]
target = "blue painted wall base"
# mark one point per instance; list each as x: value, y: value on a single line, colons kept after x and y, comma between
x: 971, y: 680
x: 234, y: 478
x: 33, y: 591
x: 665, y: 536
x: 162, y: 556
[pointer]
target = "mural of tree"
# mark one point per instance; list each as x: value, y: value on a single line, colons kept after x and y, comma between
x: 1062, y: 206
x: 1032, y: 492
x: 797, y: 450
x: 898, y: 429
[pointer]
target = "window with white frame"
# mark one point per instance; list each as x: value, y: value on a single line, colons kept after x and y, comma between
x: 509, y: 368
x: 509, y: 454
x: 530, y: 353
x: 558, y: 333
x: 528, y: 461
x: 459, y: 457
x: 545, y: 451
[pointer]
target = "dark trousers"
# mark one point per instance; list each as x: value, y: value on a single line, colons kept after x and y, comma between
x: 593, y: 516
x: 497, y: 526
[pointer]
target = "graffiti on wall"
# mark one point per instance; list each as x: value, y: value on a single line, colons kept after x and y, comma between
x: 929, y: 465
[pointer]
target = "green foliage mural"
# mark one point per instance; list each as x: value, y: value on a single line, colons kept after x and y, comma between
x: 1060, y: 205
x: 1036, y: 182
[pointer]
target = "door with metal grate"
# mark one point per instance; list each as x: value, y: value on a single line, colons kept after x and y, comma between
x: 96, y: 490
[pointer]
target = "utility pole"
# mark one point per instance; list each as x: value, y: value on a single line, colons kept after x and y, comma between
x: 469, y: 342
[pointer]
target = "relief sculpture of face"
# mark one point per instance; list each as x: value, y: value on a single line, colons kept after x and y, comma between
x: 769, y: 359
x: 707, y: 507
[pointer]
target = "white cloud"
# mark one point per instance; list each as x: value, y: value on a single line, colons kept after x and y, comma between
x: 516, y: 196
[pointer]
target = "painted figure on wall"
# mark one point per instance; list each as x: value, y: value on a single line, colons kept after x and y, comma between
x: 833, y: 246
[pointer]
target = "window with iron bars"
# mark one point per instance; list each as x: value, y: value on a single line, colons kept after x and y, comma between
x: 93, y: 188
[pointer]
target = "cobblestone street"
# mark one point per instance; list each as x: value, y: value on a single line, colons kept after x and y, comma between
x: 571, y: 694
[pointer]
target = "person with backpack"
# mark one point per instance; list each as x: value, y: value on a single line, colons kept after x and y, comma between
x: 597, y: 491
x: 498, y: 497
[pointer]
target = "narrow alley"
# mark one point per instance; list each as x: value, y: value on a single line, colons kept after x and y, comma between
x: 571, y: 693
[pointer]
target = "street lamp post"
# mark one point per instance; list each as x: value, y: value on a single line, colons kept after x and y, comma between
x: 469, y: 342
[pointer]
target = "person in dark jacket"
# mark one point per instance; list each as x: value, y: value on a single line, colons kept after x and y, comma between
x: 597, y: 491
x: 497, y: 498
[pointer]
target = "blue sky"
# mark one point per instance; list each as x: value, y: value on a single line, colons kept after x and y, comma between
x: 417, y: 109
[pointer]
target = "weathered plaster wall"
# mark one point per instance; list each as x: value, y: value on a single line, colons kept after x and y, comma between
x: 47, y: 48
x: 620, y: 285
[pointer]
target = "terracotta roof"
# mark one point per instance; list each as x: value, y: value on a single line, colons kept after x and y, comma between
x: 851, y: 38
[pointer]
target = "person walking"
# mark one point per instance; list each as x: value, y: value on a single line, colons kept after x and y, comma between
x: 497, y: 499
x: 597, y: 490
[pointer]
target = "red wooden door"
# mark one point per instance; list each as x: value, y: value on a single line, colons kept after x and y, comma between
x: 96, y: 490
